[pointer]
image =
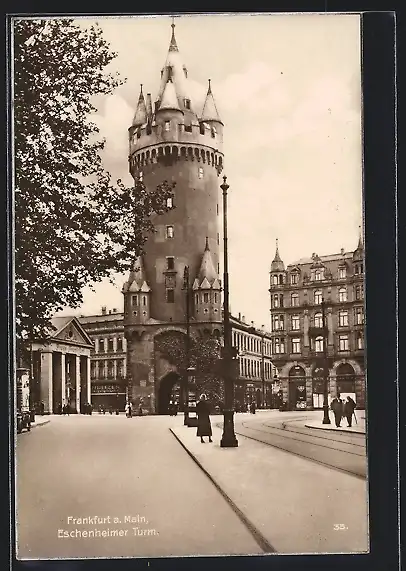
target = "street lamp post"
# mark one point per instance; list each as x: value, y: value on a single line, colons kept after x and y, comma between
x: 228, y: 438
x: 326, y: 418
x: 187, y: 315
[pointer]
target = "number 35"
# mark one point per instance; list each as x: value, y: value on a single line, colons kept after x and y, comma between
x: 339, y: 526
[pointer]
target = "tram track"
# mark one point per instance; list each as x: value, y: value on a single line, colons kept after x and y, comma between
x: 342, y: 455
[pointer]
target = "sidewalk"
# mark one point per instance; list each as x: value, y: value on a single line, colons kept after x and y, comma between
x: 291, y: 504
x: 40, y: 420
x: 358, y: 426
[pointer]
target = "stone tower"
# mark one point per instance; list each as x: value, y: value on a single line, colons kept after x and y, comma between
x: 176, y: 140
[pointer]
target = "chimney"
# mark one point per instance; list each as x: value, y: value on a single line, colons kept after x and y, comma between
x: 342, y: 251
x: 252, y: 323
x: 104, y: 310
x: 109, y: 311
x: 239, y: 317
x: 243, y: 319
x: 114, y: 310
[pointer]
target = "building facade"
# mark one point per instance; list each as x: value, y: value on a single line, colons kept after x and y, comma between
x: 297, y: 332
x: 178, y: 141
x: 108, y: 364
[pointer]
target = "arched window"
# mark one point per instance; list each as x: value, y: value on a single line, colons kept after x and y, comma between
x: 318, y: 320
x: 275, y: 280
x: 342, y: 294
x: 318, y: 344
x: 144, y: 300
x: 281, y: 279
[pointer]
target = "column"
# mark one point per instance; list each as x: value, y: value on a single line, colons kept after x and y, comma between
x: 330, y: 326
x: 115, y: 369
x: 306, y: 328
x: 88, y: 381
x: 46, y: 381
x: 77, y: 376
x: 115, y: 344
x: 63, y: 378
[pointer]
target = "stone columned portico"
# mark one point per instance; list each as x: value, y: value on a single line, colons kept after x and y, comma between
x: 61, y: 367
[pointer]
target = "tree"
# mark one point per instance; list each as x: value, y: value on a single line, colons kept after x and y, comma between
x: 73, y: 227
x: 204, y: 356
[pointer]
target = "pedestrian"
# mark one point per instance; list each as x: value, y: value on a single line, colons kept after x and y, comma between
x: 42, y: 408
x: 128, y: 409
x: 140, y: 407
x: 203, y: 419
x: 252, y: 407
x: 175, y: 409
x: 337, y: 408
x: 170, y: 408
x: 349, y: 407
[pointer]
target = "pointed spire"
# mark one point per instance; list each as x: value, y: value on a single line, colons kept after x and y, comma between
x: 277, y: 263
x: 207, y: 272
x: 358, y: 253
x: 137, y: 277
x: 140, y: 117
x: 169, y: 99
x: 210, y: 112
x: 360, y: 243
x: 173, y: 47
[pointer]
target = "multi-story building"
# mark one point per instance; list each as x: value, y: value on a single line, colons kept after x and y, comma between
x: 297, y: 329
x: 108, y: 366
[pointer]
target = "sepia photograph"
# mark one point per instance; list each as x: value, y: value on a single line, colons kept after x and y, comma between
x: 189, y: 270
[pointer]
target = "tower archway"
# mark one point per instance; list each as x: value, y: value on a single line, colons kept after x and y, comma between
x: 169, y: 390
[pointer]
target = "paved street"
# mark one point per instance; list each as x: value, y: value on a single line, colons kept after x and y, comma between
x: 113, y: 467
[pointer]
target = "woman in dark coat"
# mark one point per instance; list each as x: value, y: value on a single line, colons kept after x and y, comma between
x: 203, y: 419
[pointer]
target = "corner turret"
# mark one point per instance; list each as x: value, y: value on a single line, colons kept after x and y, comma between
x: 206, y: 289
x: 140, y: 117
x: 210, y: 118
x: 277, y: 273
x: 137, y: 294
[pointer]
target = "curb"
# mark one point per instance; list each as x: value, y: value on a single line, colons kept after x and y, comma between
x: 335, y: 430
x: 34, y: 425
x: 263, y: 543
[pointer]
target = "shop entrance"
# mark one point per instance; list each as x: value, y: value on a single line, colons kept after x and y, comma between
x: 297, y: 388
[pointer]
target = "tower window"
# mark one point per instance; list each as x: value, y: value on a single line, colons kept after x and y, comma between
x: 140, y: 176
x: 170, y: 296
x: 138, y: 133
x: 201, y: 172
x: 144, y: 300
x: 187, y: 103
x: 169, y: 202
x: 134, y: 300
x: 217, y: 209
x: 170, y: 261
x: 205, y: 310
x: 188, y: 128
x: 169, y: 231
x: 167, y: 125
x: 206, y: 298
x: 215, y: 297
x: 196, y: 299
x: 213, y: 132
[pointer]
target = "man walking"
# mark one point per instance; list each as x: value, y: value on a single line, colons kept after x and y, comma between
x: 337, y: 408
x: 349, y: 407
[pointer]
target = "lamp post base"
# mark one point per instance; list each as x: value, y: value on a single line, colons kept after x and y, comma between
x: 326, y: 418
x: 228, y: 439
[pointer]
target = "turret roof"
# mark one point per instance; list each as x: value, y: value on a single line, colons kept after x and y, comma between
x: 140, y: 117
x: 169, y: 99
x: 277, y: 264
x: 359, y: 252
x: 210, y: 112
x: 137, y: 279
x: 207, y: 272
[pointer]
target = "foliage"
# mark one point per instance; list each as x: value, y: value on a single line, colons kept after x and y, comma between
x: 204, y: 355
x: 73, y: 227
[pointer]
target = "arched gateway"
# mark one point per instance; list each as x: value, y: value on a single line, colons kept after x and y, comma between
x: 169, y: 390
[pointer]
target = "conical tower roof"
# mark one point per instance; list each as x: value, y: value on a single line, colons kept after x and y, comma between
x: 140, y: 117
x: 277, y: 264
x: 207, y: 272
x: 175, y: 70
x: 137, y: 278
x: 359, y: 252
x: 210, y: 112
x: 169, y: 98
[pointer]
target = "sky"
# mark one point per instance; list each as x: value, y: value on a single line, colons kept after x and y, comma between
x: 288, y: 89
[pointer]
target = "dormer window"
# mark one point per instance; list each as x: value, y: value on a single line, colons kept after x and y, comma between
x: 167, y: 125
x: 138, y: 132
x: 187, y: 103
x: 213, y: 131
x: 319, y: 275
x: 294, y: 278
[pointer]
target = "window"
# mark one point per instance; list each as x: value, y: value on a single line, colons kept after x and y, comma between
x: 101, y: 345
x: 134, y: 300
x: 295, y: 322
x: 218, y: 238
x: 275, y: 280
x: 277, y: 322
x: 120, y: 368
x: 360, y: 341
x: 205, y: 298
x: 343, y: 343
x: 120, y: 344
x: 294, y: 278
x: 201, y: 172
x: 359, y: 316
x: 215, y: 297
x: 170, y: 263
x: 213, y: 132
x: 169, y: 202
x: 144, y: 300
x: 342, y: 294
x: 318, y: 275
x: 318, y: 344
x: 294, y: 299
x: 359, y: 292
x: 196, y: 298
x: 343, y: 318
x: 295, y: 345
x: 140, y: 176
x: 342, y: 273
x: 318, y: 320
x: 276, y: 300
x: 138, y: 133
x: 318, y: 297
x: 187, y: 103
x: 167, y: 125
x: 170, y: 296
x: 205, y: 310
x: 188, y: 128
x: 217, y: 208
x: 110, y: 345
x: 169, y: 232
